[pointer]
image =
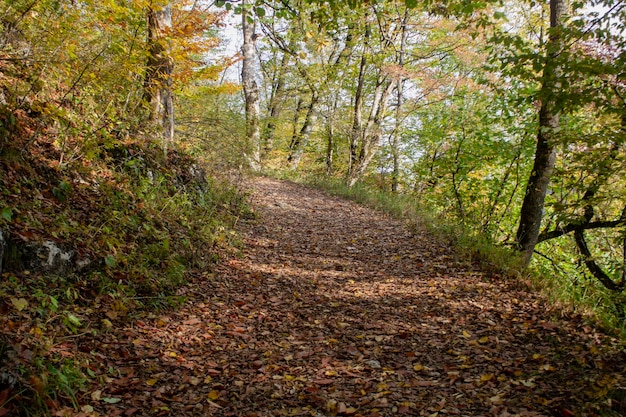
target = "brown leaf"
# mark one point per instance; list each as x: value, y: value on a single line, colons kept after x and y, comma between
x: 323, y: 381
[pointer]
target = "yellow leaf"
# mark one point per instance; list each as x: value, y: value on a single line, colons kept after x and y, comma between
x: 331, y: 406
x: 496, y: 399
x: 107, y: 323
x: 19, y: 304
x: 213, y: 395
x: 483, y: 339
x: 486, y: 377
x: 152, y: 381
x: 330, y: 373
x: 466, y: 334
x: 350, y: 410
x: 289, y: 378
x: 418, y: 367
x: 173, y: 354
x: 537, y: 356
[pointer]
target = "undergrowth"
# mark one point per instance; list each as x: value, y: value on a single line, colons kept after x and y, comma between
x: 589, y: 300
x: 139, y: 225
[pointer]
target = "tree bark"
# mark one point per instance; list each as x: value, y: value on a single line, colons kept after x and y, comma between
x: 302, y: 138
x: 275, y: 104
x: 356, y: 135
x: 371, y: 134
x: 545, y: 153
x: 160, y: 66
x: 250, y: 87
x: 395, y: 138
x: 296, y: 119
x: 317, y: 86
x: 366, y: 137
x: 330, y: 132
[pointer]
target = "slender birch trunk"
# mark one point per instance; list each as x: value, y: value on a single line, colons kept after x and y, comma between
x: 250, y: 87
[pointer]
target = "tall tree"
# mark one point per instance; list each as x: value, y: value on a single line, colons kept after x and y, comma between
x: 545, y: 152
x: 367, y: 132
x: 275, y: 104
x: 158, y: 80
x: 250, y: 85
x: 318, y: 69
x: 400, y: 81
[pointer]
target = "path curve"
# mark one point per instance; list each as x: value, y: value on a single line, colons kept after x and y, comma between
x: 335, y: 309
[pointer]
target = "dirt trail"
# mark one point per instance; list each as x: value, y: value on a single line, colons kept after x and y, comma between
x: 335, y: 309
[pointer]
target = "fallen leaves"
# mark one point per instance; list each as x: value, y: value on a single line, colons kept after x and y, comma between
x: 19, y: 303
x: 335, y: 310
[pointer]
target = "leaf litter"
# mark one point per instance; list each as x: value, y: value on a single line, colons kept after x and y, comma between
x: 334, y: 309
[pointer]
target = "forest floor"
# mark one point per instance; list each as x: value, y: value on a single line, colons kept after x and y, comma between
x: 333, y: 309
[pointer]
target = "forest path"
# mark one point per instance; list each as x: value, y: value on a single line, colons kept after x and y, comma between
x: 336, y: 309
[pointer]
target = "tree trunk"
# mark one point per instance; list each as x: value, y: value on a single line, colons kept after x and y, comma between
x: 395, y: 138
x: 545, y: 153
x: 330, y: 132
x: 158, y: 81
x: 302, y: 138
x: 372, y: 133
x: 296, y: 119
x: 275, y: 104
x: 250, y: 87
x: 357, y: 133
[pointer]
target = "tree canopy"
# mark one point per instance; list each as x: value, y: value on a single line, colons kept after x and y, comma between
x: 506, y: 119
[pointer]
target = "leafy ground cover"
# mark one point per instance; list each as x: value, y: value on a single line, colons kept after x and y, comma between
x: 335, y: 309
x: 134, y: 225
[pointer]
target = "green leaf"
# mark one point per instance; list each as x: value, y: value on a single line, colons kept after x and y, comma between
x: 411, y: 4
x: 109, y: 260
x: 499, y: 15
x: 260, y: 11
x: 112, y: 400
x: 7, y: 214
x: 220, y: 3
x: 54, y: 303
x: 73, y: 320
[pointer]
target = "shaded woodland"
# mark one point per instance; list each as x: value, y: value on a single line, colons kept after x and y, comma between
x: 124, y: 141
